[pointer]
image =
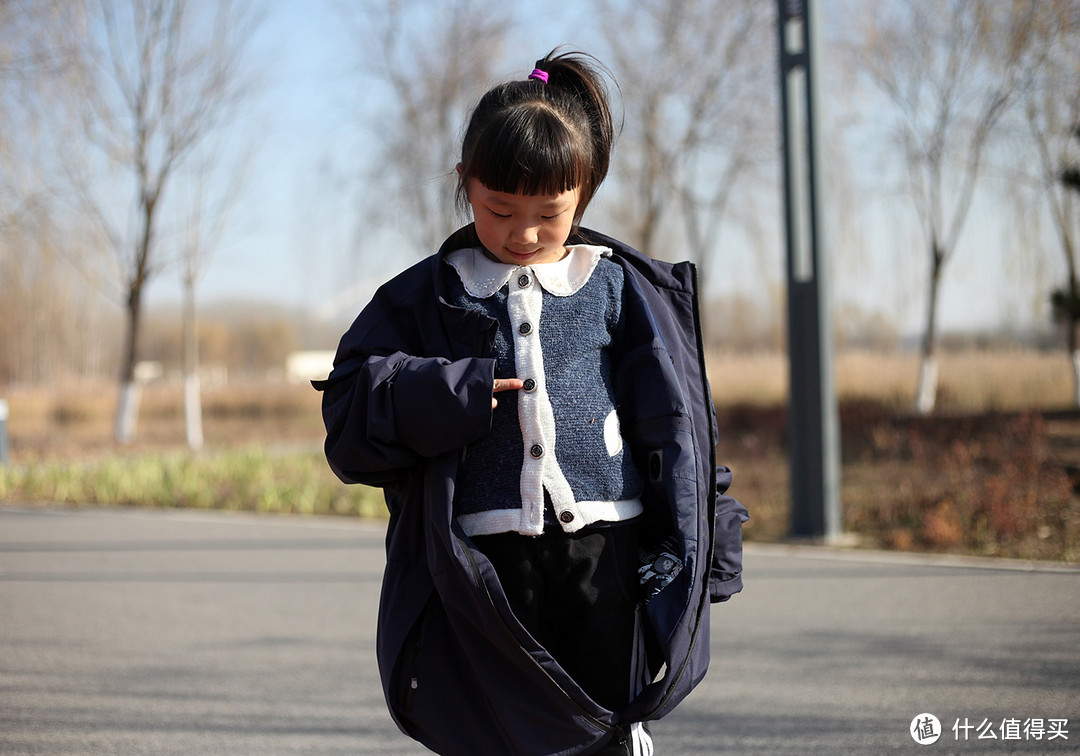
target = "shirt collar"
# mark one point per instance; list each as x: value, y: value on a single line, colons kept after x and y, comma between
x: 483, y: 276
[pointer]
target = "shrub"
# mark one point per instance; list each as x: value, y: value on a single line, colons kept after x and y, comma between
x: 251, y: 479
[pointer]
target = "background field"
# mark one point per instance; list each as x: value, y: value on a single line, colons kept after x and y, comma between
x: 994, y: 472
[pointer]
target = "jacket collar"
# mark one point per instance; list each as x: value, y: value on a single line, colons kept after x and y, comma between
x: 483, y: 276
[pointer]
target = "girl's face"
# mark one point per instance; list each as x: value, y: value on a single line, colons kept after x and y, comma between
x: 523, y: 229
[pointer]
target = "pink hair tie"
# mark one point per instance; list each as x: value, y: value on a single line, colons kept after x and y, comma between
x: 539, y: 75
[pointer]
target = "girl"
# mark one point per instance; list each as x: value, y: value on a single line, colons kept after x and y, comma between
x: 532, y: 399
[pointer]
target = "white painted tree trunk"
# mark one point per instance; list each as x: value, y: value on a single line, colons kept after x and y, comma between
x: 926, y: 394
x: 192, y: 385
x: 193, y: 411
x: 127, y: 414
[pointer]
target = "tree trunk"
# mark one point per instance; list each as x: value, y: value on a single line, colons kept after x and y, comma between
x: 1071, y: 327
x: 127, y: 410
x: 127, y: 407
x: 192, y: 384
x: 1076, y: 374
x: 926, y: 393
x: 1072, y: 320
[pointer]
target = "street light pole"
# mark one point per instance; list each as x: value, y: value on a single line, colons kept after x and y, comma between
x: 813, y: 426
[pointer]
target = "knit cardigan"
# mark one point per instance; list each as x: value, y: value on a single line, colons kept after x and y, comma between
x: 560, y: 435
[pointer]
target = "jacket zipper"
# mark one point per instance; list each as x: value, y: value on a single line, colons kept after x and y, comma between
x: 479, y: 579
x: 712, y: 487
x: 703, y: 605
x: 411, y: 662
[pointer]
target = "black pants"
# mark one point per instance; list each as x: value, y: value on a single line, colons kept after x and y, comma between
x: 576, y: 594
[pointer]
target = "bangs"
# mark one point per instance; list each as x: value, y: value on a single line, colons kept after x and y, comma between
x: 529, y: 150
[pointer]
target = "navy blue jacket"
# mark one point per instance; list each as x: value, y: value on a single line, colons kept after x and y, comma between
x: 410, y: 389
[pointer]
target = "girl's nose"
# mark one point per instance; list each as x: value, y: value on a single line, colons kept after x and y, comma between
x: 525, y: 233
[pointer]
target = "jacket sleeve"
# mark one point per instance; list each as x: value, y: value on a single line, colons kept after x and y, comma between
x: 395, y: 397
x: 384, y: 414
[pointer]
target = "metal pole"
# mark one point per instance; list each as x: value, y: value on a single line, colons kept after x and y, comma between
x: 813, y: 435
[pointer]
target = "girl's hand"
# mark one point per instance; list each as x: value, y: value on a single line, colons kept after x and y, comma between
x: 505, y: 384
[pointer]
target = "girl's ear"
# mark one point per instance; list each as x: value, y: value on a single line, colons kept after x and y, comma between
x: 458, y: 169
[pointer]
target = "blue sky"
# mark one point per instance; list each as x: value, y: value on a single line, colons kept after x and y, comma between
x: 293, y: 237
x: 289, y: 221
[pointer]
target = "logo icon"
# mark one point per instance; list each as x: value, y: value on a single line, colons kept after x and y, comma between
x: 925, y: 729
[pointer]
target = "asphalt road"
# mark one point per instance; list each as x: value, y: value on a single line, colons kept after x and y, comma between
x: 149, y: 632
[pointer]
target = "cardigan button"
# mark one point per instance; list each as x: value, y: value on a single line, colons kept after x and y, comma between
x: 525, y: 329
x: 537, y: 451
x: 529, y: 385
x: 523, y: 281
x: 566, y: 517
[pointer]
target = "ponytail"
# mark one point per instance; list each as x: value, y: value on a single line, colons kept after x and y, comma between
x: 583, y: 76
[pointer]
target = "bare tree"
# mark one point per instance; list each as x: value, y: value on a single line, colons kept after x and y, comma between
x: 158, y: 78
x: 948, y: 77
x: 1064, y: 196
x: 207, y: 193
x: 1051, y: 113
x: 47, y: 318
x: 429, y: 60
x: 700, y: 112
x: 195, y: 256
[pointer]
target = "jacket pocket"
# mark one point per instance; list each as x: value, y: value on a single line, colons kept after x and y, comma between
x: 725, y: 568
x: 406, y: 676
x: 674, y: 520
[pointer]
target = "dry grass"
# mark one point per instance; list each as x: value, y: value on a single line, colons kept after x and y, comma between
x: 969, y: 381
x: 989, y: 475
x: 997, y: 471
x: 994, y: 484
x: 74, y: 420
x: 985, y: 381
